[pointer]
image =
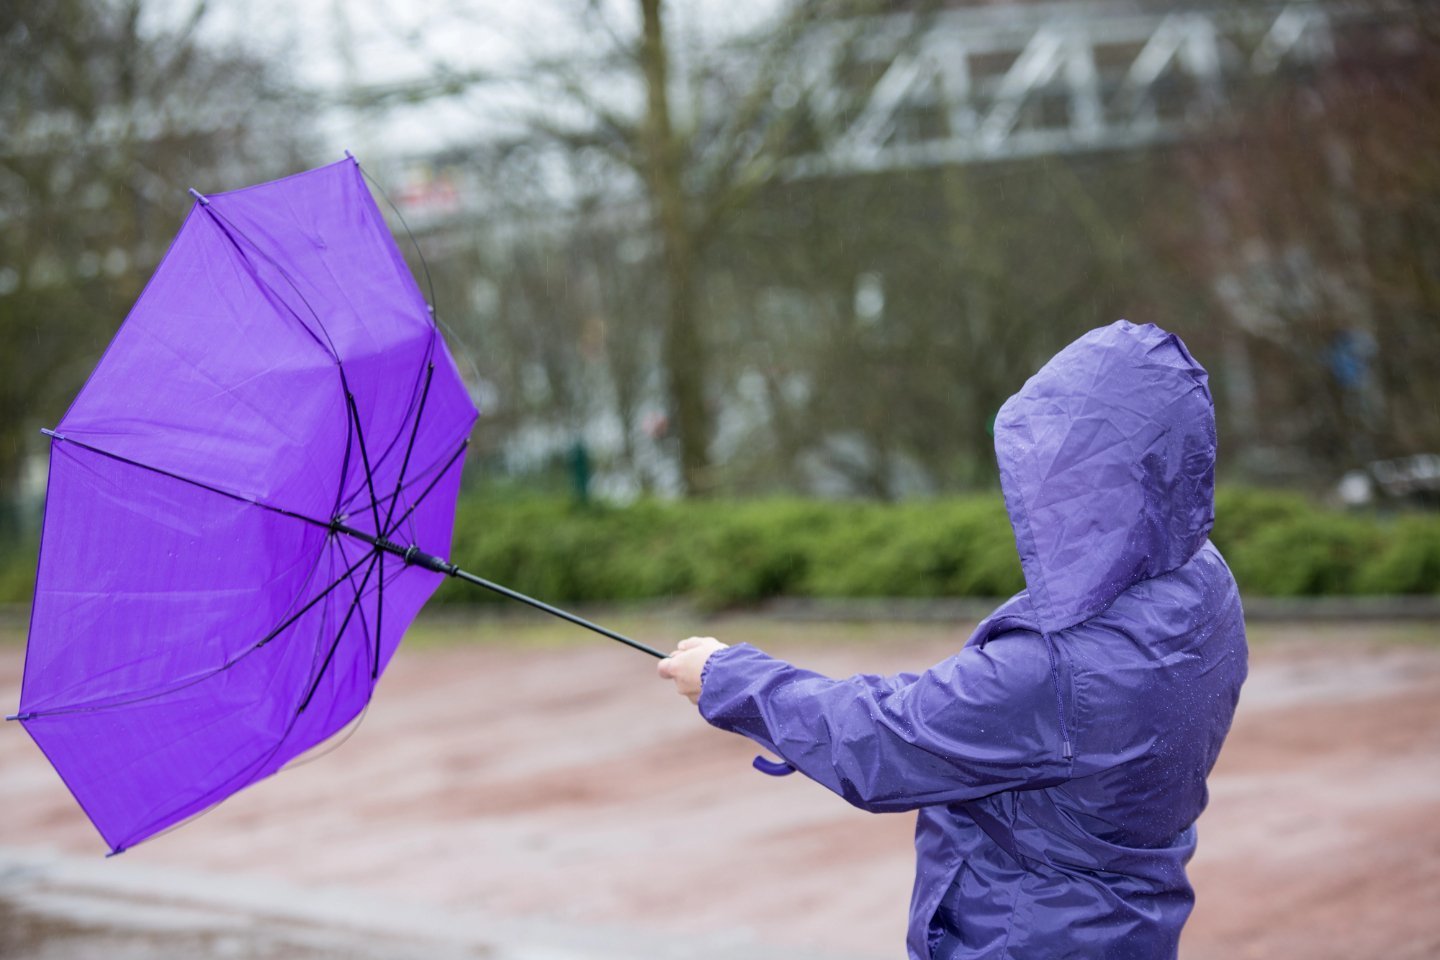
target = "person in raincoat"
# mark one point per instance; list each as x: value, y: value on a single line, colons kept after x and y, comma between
x: 1058, y: 760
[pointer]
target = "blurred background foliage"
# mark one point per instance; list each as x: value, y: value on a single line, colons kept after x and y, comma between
x: 739, y: 306
x: 721, y: 554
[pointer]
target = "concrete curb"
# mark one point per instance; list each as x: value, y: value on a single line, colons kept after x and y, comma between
x: 904, y: 610
x: 1257, y: 610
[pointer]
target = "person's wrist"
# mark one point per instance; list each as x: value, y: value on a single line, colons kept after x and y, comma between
x: 713, y: 665
x: 708, y: 664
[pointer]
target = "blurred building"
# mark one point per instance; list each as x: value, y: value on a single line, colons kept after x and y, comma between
x: 902, y: 97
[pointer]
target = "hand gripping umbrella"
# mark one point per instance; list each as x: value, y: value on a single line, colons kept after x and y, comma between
x: 241, y: 505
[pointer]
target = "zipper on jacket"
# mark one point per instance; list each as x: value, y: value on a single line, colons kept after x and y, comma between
x: 1059, y: 700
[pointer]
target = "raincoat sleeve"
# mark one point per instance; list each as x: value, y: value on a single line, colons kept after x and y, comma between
x: 982, y: 721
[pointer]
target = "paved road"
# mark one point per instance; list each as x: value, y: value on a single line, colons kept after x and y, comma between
x: 539, y: 803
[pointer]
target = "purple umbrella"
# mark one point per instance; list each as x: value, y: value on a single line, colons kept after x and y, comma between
x: 240, y: 506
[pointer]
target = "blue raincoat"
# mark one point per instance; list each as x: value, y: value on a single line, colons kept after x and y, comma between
x: 1058, y: 760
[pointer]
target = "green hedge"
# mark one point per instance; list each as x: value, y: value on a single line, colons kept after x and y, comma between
x: 723, y: 553
x: 728, y: 553
x: 17, y: 570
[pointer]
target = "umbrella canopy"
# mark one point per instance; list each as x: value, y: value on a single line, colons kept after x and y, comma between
x: 219, y: 587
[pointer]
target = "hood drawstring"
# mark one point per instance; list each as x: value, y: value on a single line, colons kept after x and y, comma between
x: 1059, y: 700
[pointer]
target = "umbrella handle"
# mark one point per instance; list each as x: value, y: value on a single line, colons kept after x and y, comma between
x: 772, y: 768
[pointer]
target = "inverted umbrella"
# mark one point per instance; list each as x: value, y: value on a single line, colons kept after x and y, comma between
x: 242, y: 504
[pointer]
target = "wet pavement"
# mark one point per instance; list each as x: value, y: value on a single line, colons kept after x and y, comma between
x: 535, y: 802
x: 61, y: 907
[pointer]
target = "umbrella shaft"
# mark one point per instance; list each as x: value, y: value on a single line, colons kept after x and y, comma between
x: 555, y: 611
x: 416, y: 557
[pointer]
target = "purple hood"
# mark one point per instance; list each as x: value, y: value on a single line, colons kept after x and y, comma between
x: 1107, y: 460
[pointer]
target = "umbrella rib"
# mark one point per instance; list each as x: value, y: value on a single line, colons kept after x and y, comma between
x: 331, y: 743
x: 365, y: 459
x: 418, y: 478
x: 248, y: 771
x: 379, y: 608
x: 431, y: 486
x: 243, y: 774
x: 409, y: 449
x: 385, y: 454
x: 425, y: 265
x: 379, y: 557
x: 229, y: 494
x: 299, y: 594
x: 436, y: 321
x: 339, y: 634
x: 344, y: 462
x: 379, y: 617
x: 305, y: 609
x: 232, y: 231
x: 93, y: 706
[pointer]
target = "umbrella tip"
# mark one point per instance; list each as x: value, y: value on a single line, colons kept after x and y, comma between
x: 204, y: 200
x: 115, y: 853
x: 350, y: 156
x: 20, y: 716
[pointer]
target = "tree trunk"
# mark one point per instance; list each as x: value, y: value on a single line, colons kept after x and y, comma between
x: 683, y: 351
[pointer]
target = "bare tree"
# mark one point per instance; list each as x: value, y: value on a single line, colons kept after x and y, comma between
x: 108, y: 118
x: 696, y: 167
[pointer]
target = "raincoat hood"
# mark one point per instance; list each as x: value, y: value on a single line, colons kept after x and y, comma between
x: 1107, y: 463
